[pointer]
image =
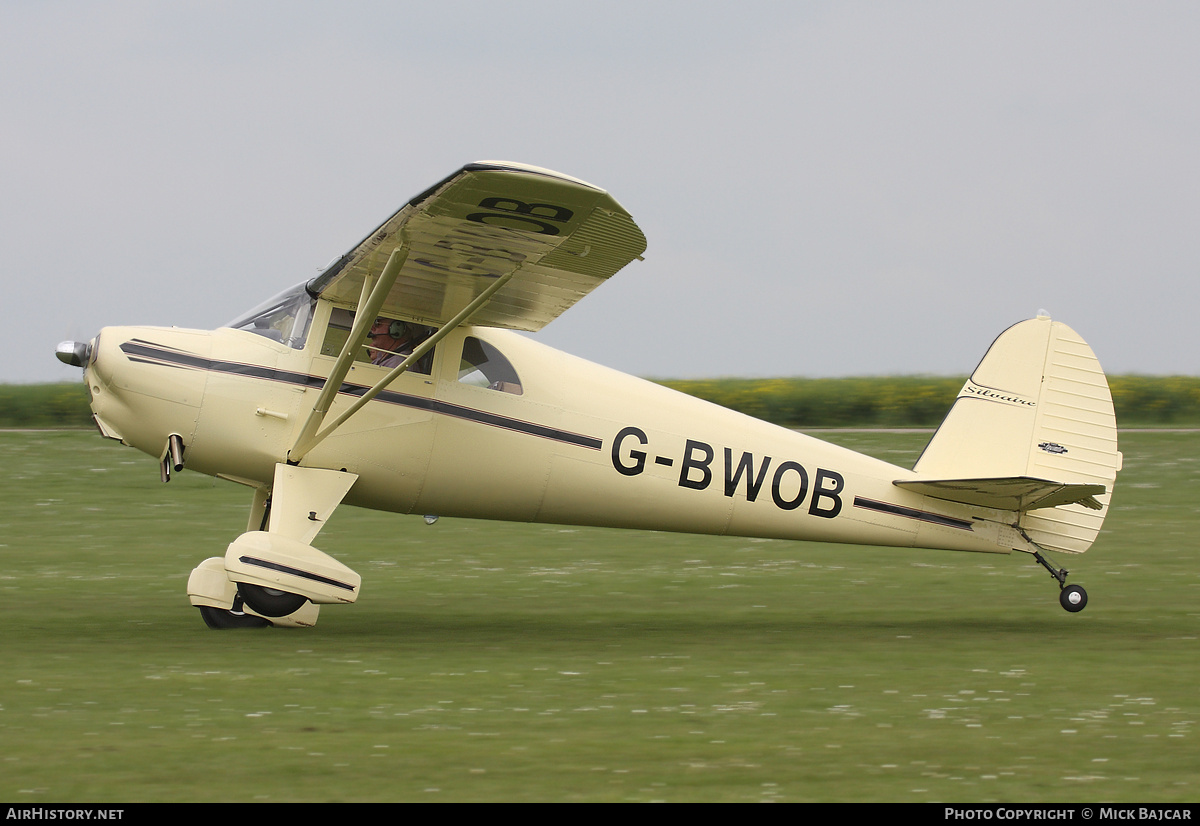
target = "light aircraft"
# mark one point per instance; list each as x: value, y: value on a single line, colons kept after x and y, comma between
x: 393, y: 380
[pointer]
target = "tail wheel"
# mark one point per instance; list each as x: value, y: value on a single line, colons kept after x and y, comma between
x: 1073, y: 598
x: 270, y: 602
x: 220, y: 619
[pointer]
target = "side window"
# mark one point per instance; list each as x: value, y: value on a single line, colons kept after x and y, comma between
x: 340, y: 321
x: 389, y: 342
x: 483, y: 365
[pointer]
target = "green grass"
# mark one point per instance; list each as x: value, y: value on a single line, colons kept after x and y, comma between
x: 496, y: 661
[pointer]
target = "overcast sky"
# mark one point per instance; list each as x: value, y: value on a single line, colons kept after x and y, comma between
x: 827, y: 189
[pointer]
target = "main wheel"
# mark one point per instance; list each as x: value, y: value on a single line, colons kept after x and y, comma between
x: 1073, y: 598
x: 220, y: 619
x: 270, y: 602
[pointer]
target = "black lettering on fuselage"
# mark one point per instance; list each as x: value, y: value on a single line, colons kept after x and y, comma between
x: 691, y: 463
x: 789, y: 482
x: 638, y: 456
x: 745, y: 465
x: 820, y: 492
x: 778, y: 489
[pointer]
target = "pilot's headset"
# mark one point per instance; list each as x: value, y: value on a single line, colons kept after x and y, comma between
x: 398, y: 330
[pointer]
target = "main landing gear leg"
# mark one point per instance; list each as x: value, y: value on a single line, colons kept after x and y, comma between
x: 1072, y: 597
x: 271, y: 572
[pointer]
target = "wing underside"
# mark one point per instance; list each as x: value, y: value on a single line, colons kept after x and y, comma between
x: 558, y: 236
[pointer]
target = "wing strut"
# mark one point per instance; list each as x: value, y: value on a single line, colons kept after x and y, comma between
x: 373, y: 295
x: 307, y: 441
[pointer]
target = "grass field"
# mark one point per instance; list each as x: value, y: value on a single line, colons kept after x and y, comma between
x: 494, y: 661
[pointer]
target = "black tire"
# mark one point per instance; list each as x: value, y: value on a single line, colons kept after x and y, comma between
x: 270, y: 602
x: 221, y: 620
x: 1073, y: 598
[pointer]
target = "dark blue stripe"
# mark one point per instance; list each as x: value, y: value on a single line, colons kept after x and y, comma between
x: 285, y: 569
x: 147, y: 352
x: 912, y: 513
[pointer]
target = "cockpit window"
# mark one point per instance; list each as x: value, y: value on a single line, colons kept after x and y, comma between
x: 483, y: 365
x: 284, y: 318
x: 389, y: 342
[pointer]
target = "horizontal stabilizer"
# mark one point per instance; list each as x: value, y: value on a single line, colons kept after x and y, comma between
x: 1013, y: 493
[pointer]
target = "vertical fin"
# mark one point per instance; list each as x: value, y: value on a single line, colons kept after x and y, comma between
x: 1037, y: 406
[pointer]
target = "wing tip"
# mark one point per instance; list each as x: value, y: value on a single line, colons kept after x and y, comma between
x: 516, y: 166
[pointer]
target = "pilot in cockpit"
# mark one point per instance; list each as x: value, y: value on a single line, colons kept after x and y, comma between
x: 393, y: 341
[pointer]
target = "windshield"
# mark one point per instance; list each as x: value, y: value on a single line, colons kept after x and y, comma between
x: 284, y: 318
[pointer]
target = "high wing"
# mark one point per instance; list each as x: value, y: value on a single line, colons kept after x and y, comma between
x: 496, y: 244
x: 558, y: 237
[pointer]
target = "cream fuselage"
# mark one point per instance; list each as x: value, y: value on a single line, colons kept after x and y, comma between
x: 579, y: 444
